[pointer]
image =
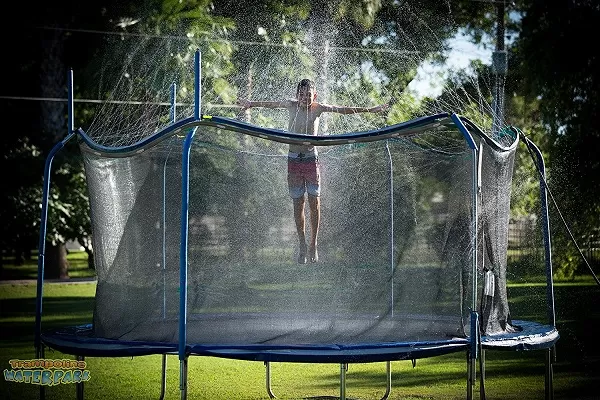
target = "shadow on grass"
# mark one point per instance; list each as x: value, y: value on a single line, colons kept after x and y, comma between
x: 532, y: 366
x: 18, y: 315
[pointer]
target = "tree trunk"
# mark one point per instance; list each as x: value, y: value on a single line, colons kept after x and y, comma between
x: 56, y: 265
x: 86, y: 242
x: 19, y: 259
x: 90, y: 254
x: 52, y: 84
x: 53, y: 76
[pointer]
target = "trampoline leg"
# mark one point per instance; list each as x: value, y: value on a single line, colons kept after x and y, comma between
x: 40, y: 354
x: 268, y: 380
x: 79, y: 385
x: 470, y: 375
x: 388, y: 389
x: 549, y: 386
x: 163, y: 382
x: 343, y: 369
x: 482, y: 374
x: 183, y: 372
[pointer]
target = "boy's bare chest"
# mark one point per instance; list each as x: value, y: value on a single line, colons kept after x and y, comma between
x: 303, y: 120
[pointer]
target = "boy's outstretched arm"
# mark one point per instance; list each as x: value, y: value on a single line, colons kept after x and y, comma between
x: 353, y: 110
x: 245, y: 104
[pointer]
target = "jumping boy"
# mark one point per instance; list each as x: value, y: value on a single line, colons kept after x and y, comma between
x: 303, y: 167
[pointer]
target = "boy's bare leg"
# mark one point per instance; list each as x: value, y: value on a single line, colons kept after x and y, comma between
x: 300, y: 228
x: 314, y: 204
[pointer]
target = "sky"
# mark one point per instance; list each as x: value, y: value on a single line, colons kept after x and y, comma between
x: 430, y: 78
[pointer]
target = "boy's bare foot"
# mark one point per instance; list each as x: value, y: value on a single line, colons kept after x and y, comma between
x: 302, y: 254
x: 314, y: 255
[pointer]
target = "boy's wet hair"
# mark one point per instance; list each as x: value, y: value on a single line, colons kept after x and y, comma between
x: 307, y: 83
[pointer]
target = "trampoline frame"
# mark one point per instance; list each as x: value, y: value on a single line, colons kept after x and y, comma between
x: 535, y: 337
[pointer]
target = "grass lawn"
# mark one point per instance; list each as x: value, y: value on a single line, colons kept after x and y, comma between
x: 509, y: 375
x: 78, y: 267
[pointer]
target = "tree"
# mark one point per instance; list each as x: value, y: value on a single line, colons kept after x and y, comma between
x: 46, y: 51
x: 552, y: 95
x: 563, y: 78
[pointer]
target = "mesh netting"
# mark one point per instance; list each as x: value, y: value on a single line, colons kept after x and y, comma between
x: 395, y: 242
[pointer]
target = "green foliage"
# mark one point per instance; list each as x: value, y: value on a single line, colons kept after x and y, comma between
x: 562, y: 81
x: 364, y: 12
x: 19, y: 204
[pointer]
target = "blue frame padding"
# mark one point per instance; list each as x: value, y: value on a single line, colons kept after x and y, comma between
x: 273, y: 134
x: 79, y: 340
x: 533, y: 336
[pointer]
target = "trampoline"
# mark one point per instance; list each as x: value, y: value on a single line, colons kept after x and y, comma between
x: 195, y: 247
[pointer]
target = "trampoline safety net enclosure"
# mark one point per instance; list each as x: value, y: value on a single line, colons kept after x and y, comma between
x: 396, y: 241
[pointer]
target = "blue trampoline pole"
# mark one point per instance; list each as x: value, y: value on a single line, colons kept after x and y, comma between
x: 44, y: 217
x: 551, y: 354
x: 39, y: 349
x: 546, y: 231
x: 474, y: 333
x: 183, y: 260
x: 42, y: 241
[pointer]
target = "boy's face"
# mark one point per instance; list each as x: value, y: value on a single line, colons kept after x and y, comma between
x: 306, y: 96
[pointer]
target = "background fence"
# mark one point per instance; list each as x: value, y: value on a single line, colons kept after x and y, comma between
x: 526, y: 247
